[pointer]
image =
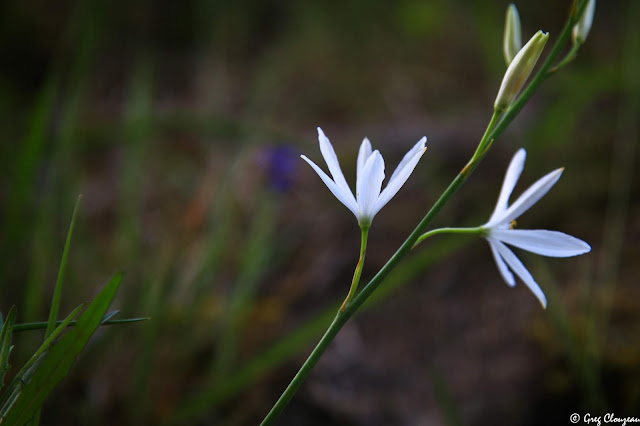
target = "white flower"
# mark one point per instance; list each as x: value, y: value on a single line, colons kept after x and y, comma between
x: 539, y: 241
x: 370, y: 174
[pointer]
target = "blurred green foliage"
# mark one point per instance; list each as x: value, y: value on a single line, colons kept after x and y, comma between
x: 170, y: 117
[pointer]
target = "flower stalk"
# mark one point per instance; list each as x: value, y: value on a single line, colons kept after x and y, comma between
x: 494, y: 130
x: 469, y: 231
x: 358, y: 272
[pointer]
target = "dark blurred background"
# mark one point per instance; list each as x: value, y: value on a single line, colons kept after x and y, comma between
x: 181, y: 124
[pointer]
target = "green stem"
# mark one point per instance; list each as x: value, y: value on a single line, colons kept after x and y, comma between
x: 485, y: 142
x: 567, y: 59
x: 493, y: 131
x: 358, y: 271
x: 477, y: 230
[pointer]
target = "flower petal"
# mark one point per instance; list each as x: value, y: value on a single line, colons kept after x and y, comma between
x: 510, y: 179
x: 334, y: 165
x: 541, y: 241
x: 502, y: 267
x: 527, y: 199
x: 363, y: 156
x: 369, y: 185
x: 420, y: 145
x: 520, y: 270
x: 350, y: 202
x: 401, y: 174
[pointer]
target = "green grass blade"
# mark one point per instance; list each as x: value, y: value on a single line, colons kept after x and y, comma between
x: 5, y: 343
x: 444, y: 398
x: 28, y: 326
x: 55, y: 302
x: 60, y: 358
x: 30, y: 152
x: 15, y: 388
x: 257, y: 255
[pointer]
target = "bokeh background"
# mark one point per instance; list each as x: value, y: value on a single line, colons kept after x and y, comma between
x: 181, y: 124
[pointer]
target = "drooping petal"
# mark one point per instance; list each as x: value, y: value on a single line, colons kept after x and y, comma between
x: 520, y: 270
x: 331, y: 159
x: 510, y: 180
x: 350, y: 202
x: 502, y: 267
x: 401, y: 174
x: 369, y: 185
x: 527, y: 199
x: 541, y: 241
x: 363, y: 156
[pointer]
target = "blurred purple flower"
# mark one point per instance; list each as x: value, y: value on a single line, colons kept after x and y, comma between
x: 280, y: 164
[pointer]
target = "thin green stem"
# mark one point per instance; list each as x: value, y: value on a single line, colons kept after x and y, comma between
x: 493, y: 132
x: 567, y: 59
x: 485, y: 142
x: 476, y: 230
x: 358, y: 271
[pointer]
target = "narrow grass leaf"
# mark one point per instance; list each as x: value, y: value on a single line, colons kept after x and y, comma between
x: 5, y: 343
x: 444, y: 398
x: 57, y: 293
x: 23, y: 376
x: 28, y: 326
x: 60, y: 357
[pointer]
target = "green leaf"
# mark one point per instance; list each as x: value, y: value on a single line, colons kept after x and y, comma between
x: 5, y: 343
x: 55, y: 302
x: 54, y: 366
x: 27, y: 326
x: 24, y: 375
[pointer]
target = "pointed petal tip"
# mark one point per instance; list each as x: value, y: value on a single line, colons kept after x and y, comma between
x: 423, y: 143
x: 543, y: 302
x: 585, y: 246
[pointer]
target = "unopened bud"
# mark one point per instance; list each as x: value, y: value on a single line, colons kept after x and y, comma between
x: 582, y: 27
x: 512, y: 34
x: 519, y: 70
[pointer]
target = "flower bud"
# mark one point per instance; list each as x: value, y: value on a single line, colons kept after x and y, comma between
x: 512, y: 34
x: 519, y: 70
x: 582, y: 27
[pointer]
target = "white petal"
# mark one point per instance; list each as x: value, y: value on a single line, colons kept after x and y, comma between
x: 510, y: 179
x: 369, y: 185
x: 334, y: 165
x: 363, y: 156
x: 527, y: 199
x: 502, y: 267
x: 520, y: 270
x: 401, y: 174
x: 340, y: 195
x: 419, y: 146
x: 541, y: 241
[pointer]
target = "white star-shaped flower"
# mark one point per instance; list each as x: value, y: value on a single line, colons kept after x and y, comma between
x: 370, y: 174
x: 539, y: 241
